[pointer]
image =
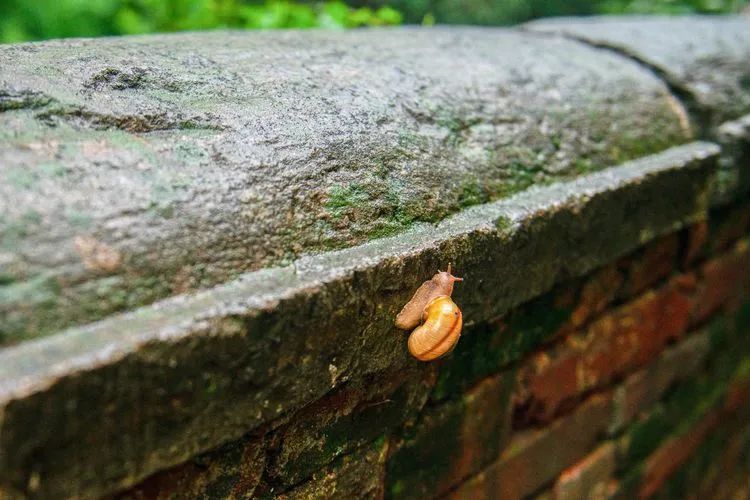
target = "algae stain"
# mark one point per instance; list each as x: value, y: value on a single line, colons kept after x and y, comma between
x: 25, y: 99
x: 371, y: 210
x: 37, y: 290
x: 583, y: 166
x: 503, y: 224
x: 79, y: 219
x: 19, y: 177
x: 343, y: 199
x: 472, y: 193
x: 13, y: 231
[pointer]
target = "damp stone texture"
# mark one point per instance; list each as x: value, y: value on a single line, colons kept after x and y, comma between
x: 205, y: 239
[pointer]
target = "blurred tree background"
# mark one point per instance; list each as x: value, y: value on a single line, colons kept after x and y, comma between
x: 22, y: 20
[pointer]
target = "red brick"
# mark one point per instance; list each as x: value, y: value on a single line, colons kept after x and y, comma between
x: 722, y: 280
x: 697, y: 236
x: 348, y: 418
x: 591, y: 477
x: 453, y: 441
x: 729, y: 471
x: 644, y: 388
x: 487, y: 416
x: 626, y: 339
x: 734, y: 224
x: 653, y: 264
x: 547, y: 494
x: 673, y: 453
x: 670, y: 456
x: 535, y: 457
x: 738, y: 395
x: 597, y: 293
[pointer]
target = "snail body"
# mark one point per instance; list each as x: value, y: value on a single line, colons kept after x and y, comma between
x: 435, y: 319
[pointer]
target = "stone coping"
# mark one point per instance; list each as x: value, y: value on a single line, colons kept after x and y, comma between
x: 138, y: 168
x: 703, y: 61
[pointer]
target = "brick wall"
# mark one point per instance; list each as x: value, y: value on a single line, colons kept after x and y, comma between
x: 633, y: 381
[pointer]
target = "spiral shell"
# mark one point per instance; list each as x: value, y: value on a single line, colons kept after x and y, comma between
x: 439, y: 331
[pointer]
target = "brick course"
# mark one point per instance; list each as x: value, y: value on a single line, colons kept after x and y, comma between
x: 453, y: 441
x: 591, y: 477
x: 616, y: 343
x: 646, y: 387
x: 535, y: 457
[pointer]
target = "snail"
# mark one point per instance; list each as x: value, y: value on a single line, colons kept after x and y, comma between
x: 435, y: 318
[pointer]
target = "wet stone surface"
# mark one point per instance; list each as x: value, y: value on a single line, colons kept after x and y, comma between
x: 139, y: 168
x: 702, y: 58
x: 262, y: 244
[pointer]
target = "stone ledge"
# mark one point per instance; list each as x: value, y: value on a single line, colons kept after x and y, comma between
x: 186, y: 374
x: 144, y: 167
x: 733, y: 177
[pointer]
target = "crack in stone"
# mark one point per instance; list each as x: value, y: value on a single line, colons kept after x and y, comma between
x: 128, y: 123
x: 23, y: 99
x: 700, y: 115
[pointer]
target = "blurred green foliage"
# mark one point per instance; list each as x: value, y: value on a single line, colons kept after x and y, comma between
x: 41, y: 19
x: 672, y: 6
x: 505, y: 12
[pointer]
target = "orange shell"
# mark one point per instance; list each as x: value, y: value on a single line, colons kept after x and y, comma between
x: 440, y: 331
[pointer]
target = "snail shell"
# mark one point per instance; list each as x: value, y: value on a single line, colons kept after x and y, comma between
x: 435, y: 318
x: 440, y: 330
x: 440, y: 284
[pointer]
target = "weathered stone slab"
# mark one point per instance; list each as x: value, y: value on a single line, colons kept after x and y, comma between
x: 114, y: 401
x: 703, y: 58
x: 733, y: 178
x: 132, y: 169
